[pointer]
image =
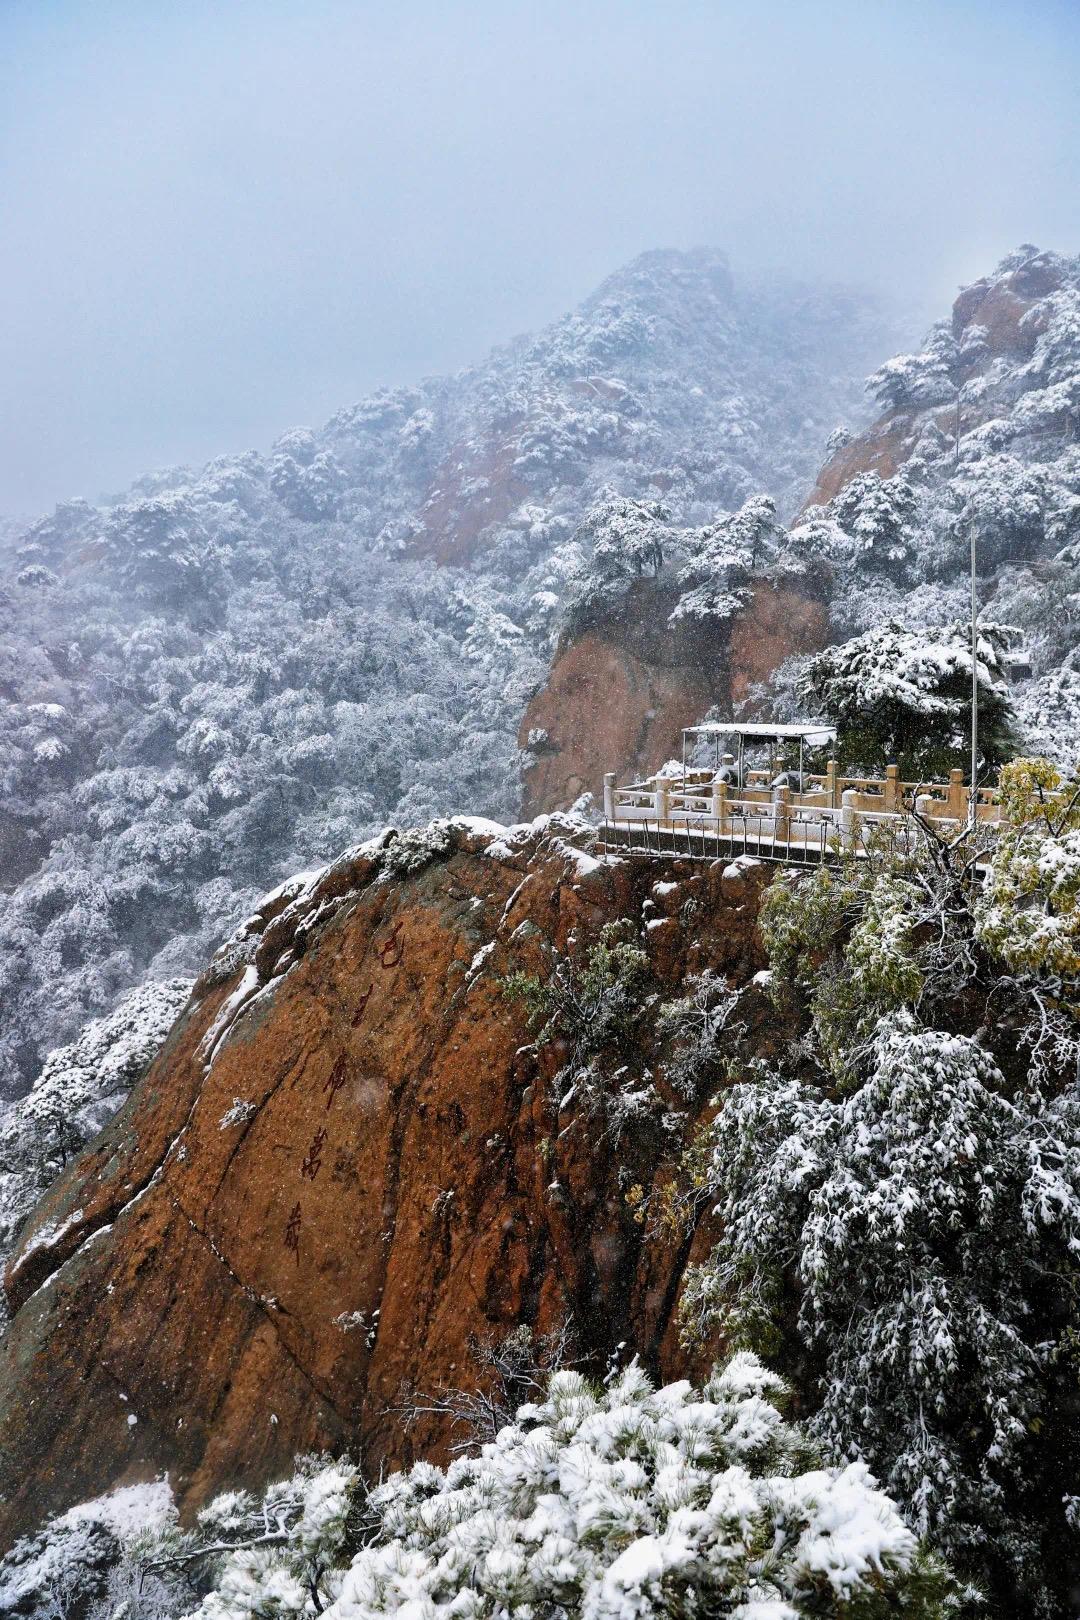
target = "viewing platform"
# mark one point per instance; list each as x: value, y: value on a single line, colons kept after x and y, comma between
x: 781, y: 812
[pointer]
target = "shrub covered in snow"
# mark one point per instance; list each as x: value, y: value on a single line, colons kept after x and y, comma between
x: 1048, y: 716
x: 84, y: 1563
x: 618, y: 1504
x: 275, y: 1556
x: 78, y: 1090
x: 592, y: 1005
x: 926, y: 1218
x: 1029, y: 911
x: 697, y: 1027
x: 904, y: 696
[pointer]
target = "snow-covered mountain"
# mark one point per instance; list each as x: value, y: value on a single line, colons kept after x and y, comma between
x: 980, y: 435
x: 218, y: 678
x: 230, y: 673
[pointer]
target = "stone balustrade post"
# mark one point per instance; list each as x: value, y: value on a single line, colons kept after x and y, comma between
x: 892, y: 789
x: 831, y: 773
x: 957, y: 795
x: 847, y: 820
x: 781, y: 815
x: 663, y: 799
x: 609, y: 796
x: 719, y: 806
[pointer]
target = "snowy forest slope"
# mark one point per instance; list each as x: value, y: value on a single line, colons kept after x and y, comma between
x: 226, y: 674
x: 979, y: 437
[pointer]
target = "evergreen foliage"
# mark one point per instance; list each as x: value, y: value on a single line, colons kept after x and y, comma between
x: 592, y: 1009
x: 899, y: 1195
x: 622, y: 539
x: 723, y: 558
x: 904, y: 697
x: 79, y: 1088
x: 602, y: 1505
x: 1029, y: 912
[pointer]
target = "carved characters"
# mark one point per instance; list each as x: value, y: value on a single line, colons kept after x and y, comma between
x: 313, y: 1163
x: 292, y: 1232
x: 335, y: 1080
x: 393, y: 948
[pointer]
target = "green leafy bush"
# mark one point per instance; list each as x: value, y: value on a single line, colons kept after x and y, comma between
x: 1029, y: 913
x: 842, y: 940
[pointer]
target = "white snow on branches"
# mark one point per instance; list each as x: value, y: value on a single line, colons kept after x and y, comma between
x: 610, y: 1505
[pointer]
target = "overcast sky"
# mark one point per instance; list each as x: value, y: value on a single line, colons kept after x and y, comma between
x: 218, y: 220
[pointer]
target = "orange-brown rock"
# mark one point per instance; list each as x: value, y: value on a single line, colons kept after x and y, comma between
x: 474, y: 487
x: 617, y: 697
x: 779, y: 623
x: 346, y: 1164
x: 882, y: 449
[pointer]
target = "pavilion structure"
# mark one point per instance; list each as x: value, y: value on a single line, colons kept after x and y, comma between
x: 779, y: 738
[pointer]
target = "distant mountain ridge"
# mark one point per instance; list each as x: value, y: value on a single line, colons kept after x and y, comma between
x: 978, y: 367
x: 672, y: 377
x: 980, y: 433
x: 235, y: 671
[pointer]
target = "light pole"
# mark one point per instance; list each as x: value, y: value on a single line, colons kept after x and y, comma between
x: 974, y: 808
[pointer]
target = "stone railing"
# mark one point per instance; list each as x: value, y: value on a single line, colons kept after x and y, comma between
x: 829, y: 813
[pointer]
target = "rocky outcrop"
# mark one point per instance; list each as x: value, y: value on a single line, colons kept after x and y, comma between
x: 344, y: 1167
x: 618, y: 696
x: 997, y: 306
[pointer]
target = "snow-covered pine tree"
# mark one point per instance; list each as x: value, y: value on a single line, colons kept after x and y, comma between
x: 903, y: 696
x: 593, y: 1504
x: 930, y: 1224
x: 722, y: 559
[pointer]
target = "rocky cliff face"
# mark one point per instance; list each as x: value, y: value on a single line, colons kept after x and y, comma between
x: 345, y: 1165
x: 617, y: 698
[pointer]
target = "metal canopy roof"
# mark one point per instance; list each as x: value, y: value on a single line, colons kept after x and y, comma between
x: 814, y: 735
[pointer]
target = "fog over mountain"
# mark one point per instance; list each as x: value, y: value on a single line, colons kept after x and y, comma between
x: 219, y: 220
x: 235, y: 670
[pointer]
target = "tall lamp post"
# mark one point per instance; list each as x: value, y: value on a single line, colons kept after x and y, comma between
x: 974, y: 807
